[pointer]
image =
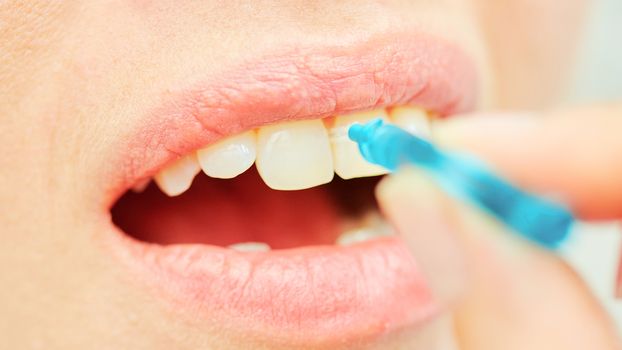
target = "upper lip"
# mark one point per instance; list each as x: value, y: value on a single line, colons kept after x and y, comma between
x: 301, y: 83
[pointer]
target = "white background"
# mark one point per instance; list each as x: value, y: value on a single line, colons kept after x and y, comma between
x: 595, y: 249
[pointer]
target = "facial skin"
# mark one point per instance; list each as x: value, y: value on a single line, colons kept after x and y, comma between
x: 75, y: 77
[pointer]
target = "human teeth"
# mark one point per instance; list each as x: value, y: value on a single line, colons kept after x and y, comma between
x: 250, y: 247
x: 370, y: 226
x: 412, y: 119
x: 347, y: 160
x: 294, y: 155
x: 359, y: 235
x: 230, y: 157
x: 177, y: 177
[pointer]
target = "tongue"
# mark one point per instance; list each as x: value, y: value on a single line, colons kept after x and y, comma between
x: 224, y: 212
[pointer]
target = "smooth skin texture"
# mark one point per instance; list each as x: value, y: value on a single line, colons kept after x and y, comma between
x: 75, y: 76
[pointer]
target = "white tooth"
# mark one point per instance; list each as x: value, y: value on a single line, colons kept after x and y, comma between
x: 412, y: 119
x: 250, y: 247
x: 230, y: 157
x: 375, y: 221
x: 359, y: 235
x: 347, y: 160
x: 140, y: 186
x: 177, y: 177
x: 368, y: 226
x: 295, y: 155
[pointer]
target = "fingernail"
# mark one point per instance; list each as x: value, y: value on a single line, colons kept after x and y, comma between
x: 421, y: 213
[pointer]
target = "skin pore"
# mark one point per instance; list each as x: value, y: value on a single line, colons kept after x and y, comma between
x: 76, y: 77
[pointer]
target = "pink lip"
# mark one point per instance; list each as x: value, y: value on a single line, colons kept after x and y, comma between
x: 330, y: 293
x: 322, y: 293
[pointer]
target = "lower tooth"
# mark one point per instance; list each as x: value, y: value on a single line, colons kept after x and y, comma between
x: 359, y: 235
x: 250, y: 247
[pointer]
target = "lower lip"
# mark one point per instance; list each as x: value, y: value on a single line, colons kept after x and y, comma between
x: 331, y: 293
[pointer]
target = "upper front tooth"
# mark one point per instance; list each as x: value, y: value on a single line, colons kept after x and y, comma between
x: 347, y: 159
x: 412, y: 119
x: 294, y: 155
x: 230, y: 157
x: 177, y: 177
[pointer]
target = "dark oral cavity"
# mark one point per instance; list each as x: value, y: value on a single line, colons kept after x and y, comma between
x: 243, y: 209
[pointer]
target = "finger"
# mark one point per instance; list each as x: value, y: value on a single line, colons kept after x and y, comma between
x: 576, y: 155
x: 516, y: 296
x: 417, y: 210
x: 522, y: 297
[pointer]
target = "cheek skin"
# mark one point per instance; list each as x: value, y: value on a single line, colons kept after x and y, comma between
x: 30, y: 33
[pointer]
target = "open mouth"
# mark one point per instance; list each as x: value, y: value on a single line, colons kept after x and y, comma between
x: 268, y: 238
x: 290, y: 198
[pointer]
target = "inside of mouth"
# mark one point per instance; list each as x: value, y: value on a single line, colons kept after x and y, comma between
x: 243, y: 209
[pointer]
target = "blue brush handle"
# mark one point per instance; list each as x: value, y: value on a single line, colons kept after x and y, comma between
x: 533, y: 217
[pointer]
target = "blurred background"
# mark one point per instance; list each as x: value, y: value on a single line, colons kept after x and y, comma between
x: 595, y: 250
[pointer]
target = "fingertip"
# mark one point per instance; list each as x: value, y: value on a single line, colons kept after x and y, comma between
x: 419, y: 211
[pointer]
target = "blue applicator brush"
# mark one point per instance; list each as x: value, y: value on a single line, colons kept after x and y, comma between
x: 535, y: 218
